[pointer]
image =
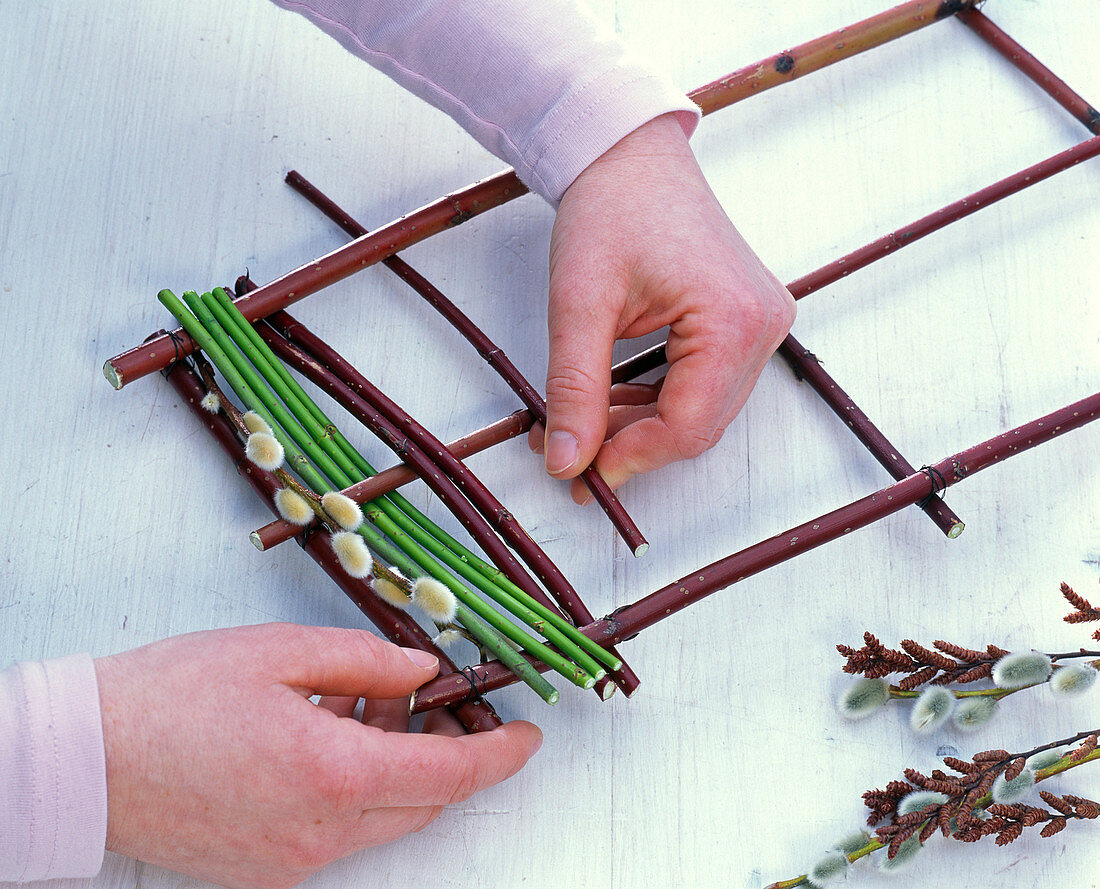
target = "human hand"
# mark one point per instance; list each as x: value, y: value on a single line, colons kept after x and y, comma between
x: 220, y: 766
x: 641, y: 242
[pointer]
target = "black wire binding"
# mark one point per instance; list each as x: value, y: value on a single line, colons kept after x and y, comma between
x: 474, y: 678
x: 177, y: 344
x: 939, y: 484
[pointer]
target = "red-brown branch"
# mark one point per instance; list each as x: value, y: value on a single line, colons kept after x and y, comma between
x: 457, y: 207
x: 903, y: 237
x: 486, y: 348
x: 808, y: 368
x: 475, y: 714
x: 1035, y: 70
x: 824, y: 51
x: 632, y: 619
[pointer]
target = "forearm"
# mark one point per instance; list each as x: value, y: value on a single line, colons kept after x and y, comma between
x: 543, y: 86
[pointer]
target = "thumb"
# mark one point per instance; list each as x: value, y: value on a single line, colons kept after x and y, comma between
x: 578, y: 375
x: 346, y: 662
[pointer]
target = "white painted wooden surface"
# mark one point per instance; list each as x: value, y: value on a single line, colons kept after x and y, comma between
x: 144, y: 147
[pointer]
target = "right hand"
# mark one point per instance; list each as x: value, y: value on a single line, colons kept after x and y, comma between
x: 640, y: 242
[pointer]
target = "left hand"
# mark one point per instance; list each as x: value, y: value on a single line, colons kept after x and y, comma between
x: 220, y: 766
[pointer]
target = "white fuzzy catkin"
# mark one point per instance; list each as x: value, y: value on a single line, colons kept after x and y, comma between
x: 1043, y: 759
x: 253, y: 422
x: 1073, y: 679
x: 435, y: 600
x: 1008, y: 792
x: 390, y: 592
x: 264, y: 450
x: 862, y: 698
x: 343, y: 510
x: 293, y: 507
x: 974, y: 712
x: 932, y: 709
x: 920, y: 799
x: 907, y: 851
x: 352, y: 552
x: 828, y: 870
x: 448, y: 639
x: 1021, y: 668
x: 211, y: 403
x: 853, y: 842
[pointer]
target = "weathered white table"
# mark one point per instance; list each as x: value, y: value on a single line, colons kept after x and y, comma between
x: 142, y: 147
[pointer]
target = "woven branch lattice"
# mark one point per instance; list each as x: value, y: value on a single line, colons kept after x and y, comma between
x: 461, y: 690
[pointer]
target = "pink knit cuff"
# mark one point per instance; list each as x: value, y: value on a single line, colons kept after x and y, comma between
x: 588, y: 122
x: 53, y: 777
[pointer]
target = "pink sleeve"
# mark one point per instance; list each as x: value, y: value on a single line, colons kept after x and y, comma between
x: 53, y: 778
x: 540, y: 84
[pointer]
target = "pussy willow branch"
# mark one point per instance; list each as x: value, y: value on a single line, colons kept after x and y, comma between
x: 946, y: 664
x: 457, y: 207
x: 515, y: 424
x: 448, y: 491
x: 506, y: 428
x: 391, y: 479
x: 967, y: 792
x: 206, y: 374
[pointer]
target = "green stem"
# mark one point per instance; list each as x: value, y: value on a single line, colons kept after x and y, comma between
x: 996, y: 693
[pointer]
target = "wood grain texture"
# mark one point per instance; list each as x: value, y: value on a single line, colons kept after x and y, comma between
x: 145, y: 148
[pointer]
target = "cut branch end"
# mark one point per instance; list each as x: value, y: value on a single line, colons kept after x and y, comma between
x: 114, y: 377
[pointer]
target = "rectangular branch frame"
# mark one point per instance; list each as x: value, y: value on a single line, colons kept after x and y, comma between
x: 462, y: 689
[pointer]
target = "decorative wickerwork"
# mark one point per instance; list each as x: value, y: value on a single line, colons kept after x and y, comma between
x: 461, y: 690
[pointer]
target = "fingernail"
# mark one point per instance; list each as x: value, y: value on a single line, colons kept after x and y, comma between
x: 421, y: 659
x: 561, y: 451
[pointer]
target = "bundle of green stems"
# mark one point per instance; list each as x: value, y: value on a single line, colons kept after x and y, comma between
x: 398, y: 535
